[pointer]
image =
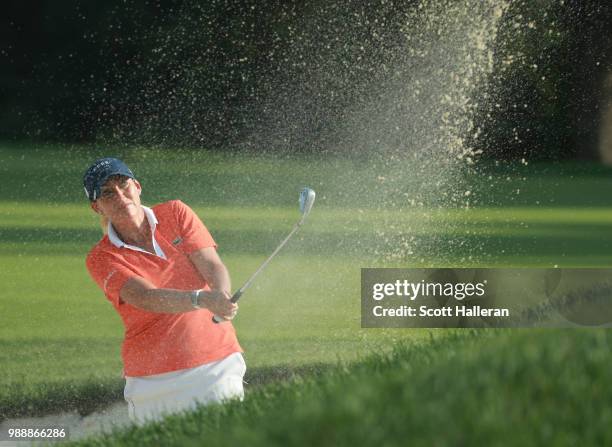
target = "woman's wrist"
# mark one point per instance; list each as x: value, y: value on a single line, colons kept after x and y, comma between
x: 196, y: 296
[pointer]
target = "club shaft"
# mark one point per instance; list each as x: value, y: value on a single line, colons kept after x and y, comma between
x: 305, y: 207
x: 240, y: 291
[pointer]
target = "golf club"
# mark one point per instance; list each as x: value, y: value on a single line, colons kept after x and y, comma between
x: 307, y: 198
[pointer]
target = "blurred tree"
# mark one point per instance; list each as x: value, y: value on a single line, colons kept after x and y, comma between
x: 225, y: 72
x: 550, y: 62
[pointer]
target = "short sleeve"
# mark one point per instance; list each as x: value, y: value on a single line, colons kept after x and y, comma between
x: 195, y: 235
x: 109, y: 273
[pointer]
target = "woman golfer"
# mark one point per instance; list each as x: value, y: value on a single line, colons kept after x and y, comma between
x: 160, y: 270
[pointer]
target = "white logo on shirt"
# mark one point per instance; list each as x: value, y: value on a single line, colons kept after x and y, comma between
x: 107, y: 279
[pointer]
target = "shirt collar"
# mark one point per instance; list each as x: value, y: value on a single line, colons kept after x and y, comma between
x: 113, y: 237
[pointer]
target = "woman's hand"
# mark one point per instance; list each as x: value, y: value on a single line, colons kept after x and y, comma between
x: 218, y: 302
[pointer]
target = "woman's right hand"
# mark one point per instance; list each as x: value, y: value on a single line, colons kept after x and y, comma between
x: 218, y: 302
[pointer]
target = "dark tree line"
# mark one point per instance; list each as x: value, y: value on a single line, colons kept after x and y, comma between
x: 174, y: 72
x: 547, y: 103
x: 221, y: 73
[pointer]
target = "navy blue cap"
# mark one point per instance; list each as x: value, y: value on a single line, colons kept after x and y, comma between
x: 99, y: 172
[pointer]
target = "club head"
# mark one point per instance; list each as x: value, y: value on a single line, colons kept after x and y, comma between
x: 307, y: 198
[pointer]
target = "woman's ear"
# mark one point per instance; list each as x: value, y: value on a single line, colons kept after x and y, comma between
x: 94, y: 206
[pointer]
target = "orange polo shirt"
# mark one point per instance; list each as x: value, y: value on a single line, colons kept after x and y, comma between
x: 157, y: 343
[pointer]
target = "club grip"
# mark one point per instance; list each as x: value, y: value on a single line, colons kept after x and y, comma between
x: 233, y: 299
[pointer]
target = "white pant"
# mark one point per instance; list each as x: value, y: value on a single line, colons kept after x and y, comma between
x: 151, y: 397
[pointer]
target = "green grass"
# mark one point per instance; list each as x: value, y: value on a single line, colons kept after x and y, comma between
x: 61, y: 339
x: 546, y: 387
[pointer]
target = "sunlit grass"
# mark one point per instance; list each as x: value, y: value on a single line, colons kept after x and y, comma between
x: 306, y: 307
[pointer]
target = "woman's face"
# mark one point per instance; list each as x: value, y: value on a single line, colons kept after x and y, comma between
x: 119, y: 199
